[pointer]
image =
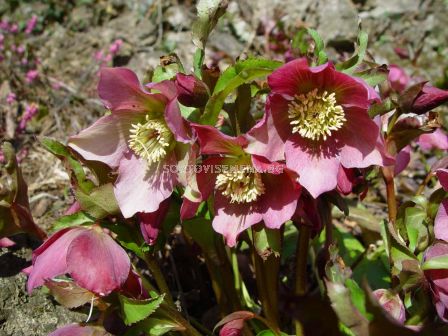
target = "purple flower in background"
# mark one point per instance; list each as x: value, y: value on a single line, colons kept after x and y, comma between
x: 31, y: 24
x: 398, y: 78
x: 14, y: 28
x: 115, y: 46
x: 30, y: 111
x: 31, y: 75
x: 436, y: 140
x: 11, y: 98
x: 4, y: 25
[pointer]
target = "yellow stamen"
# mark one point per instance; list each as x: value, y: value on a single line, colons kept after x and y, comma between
x: 151, y: 140
x: 315, y: 116
x: 242, y: 185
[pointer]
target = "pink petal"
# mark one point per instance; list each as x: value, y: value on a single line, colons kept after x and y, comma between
x: 265, y: 140
x: 398, y: 78
x: 212, y: 141
x: 441, y: 222
x: 141, y: 187
x: 96, y: 262
x: 402, y: 160
x: 6, y: 242
x: 232, y: 218
x: 167, y: 88
x: 442, y: 175
x: 192, y: 91
x: 176, y: 123
x: 263, y: 165
x: 188, y: 209
x: 150, y: 222
x: 317, y: 168
x: 77, y: 330
x: 438, y: 139
x: 345, y: 180
x: 429, y: 98
x: 49, y: 260
x: 358, y: 139
x: 120, y: 89
x: 391, y: 303
x: 106, y: 139
x: 279, y: 202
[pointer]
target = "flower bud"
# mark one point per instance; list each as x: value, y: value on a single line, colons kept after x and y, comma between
x: 192, y: 91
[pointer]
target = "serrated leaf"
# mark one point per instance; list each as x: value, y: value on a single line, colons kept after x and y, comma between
x: 75, y: 219
x: 234, y: 76
x: 100, y: 202
x: 350, y: 65
x: 136, y: 310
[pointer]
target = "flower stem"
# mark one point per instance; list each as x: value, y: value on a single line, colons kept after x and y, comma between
x: 388, y: 175
x: 158, y: 277
x: 301, y: 263
x: 424, y: 183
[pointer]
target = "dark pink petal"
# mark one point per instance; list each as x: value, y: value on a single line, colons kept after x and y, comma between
x: 308, y: 212
x: 263, y: 165
x: 167, y: 88
x: 297, y: 77
x: 345, y: 180
x: 442, y: 175
x: 402, y: 160
x: 398, y: 78
x: 186, y: 156
x: 192, y: 91
x: 141, y: 187
x: 74, y: 208
x: 96, y: 262
x: 212, y: 141
x: 232, y: 328
x: 188, y: 209
x: 438, y: 139
x: 438, y: 277
x: 358, y: 139
x: 133, y: 287
x: 429, y: 98
x: 232, y: 218
x: 264, y: 139
x: 391, y: 303
x: 441, y: 222
x: 206, y: 175
x: 176, y: 123
x: 317, y: 168
x: 49, y: 260
x: 120, y: 89
x: 279, y: 202
x: 105, y: 140
x: 78, y: 330
x: 150, y: 222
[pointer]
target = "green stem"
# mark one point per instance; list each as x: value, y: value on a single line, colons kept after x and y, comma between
x: 301, y: 263
x: 158, y: 277
x: 422, y: 186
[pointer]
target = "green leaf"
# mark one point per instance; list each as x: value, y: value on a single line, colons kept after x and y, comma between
x: 100, y: 202
x: 436, y: 263
x: 358, y: 297
x: 71, y: 162
x: 374, y: 76
x: 350, y: 65
x: 319, y: 46
x: 299, y: 42
x: 136, y: 310
x: 128, y: 237
x: 349, y: 247
x: 269, y: 332
x: 209, y: 12
x: 198, y: 60
x: 201, y: 231
x: 234, y: 76
x: 416, y: 230
x: 78, y: 218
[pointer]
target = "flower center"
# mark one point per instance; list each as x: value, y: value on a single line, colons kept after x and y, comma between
x: 151, y: 140
x: 241, y: 185
x: 315, y: 115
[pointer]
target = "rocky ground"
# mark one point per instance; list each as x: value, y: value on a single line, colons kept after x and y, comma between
x: 150, y: 29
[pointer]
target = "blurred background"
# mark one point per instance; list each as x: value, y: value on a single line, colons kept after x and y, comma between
x: 51, y: 52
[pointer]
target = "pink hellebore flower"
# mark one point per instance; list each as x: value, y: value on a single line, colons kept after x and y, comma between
x: 441, y: 220
x: 438, y: 279
x: 79, y: 330
x: 392, y: 304
x: 248, y: 189
x: 398, y: 78
x: 428, y: 99
x: 438, y: 139
x: 89, y: 255
x: 144, y: 137
x: 321, y: 118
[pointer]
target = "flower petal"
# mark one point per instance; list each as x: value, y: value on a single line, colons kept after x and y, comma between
x: 441, y: 222
x: 106, y: 139
x: 232, y: 218
x: 141, y: 187
x: 212, y: 141
x: 97, y: 263
x: 317, y: 169
x: 438, y: 139
x: 442, y: 175
x: 120, y: 89
x: 77, y: 330
x: 49, y: 260
x: 176, y: 123
x: 150, y: 222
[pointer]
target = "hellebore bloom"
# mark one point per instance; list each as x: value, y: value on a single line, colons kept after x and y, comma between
x: 428, y: 99
x: 398, y: 78
x: 438, y: 279
x: 248, y: 188
x: 233, y: 324
x: 89, y: 255
x: 438, y: 139
x: 192, y: 91
x: 145, y: 137
x: 441, y: 220
x: 321, y: 116
x: 392, y: 304
x: 78, y: 330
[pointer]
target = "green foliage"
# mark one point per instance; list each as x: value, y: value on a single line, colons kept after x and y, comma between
x: 136, y: 310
